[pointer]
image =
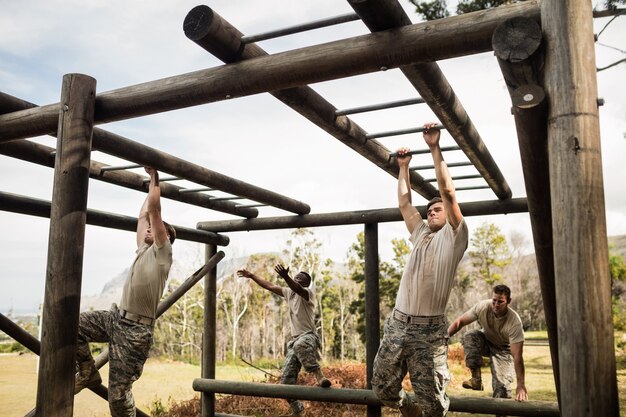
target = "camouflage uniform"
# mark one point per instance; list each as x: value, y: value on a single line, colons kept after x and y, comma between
x: 476, y: 346
x: 302, y: 351
x: 129, y: 344
x: 420, y: 349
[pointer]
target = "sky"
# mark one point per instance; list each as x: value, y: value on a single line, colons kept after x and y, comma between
x: 256, y: 139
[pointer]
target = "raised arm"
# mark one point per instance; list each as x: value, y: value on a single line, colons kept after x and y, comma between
x: 150, y: 222
x: 261, y: 282
x: 409, y: 213
x: 517, y: 350
x: 444, y: 181
x: 295, y: 287
x: 459, y: 323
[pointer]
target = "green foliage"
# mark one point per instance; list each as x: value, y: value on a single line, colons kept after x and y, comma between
x: 490, y: 253
x: 467, y: 6
x: 431, y: 10
x: 12, y: 347
x: 617, y: 269
x: 613, y: 4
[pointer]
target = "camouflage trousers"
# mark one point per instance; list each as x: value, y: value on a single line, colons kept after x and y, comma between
x: 129, y: 344
x: 422, y: 351
x: 476, y: 346
x: 302, y: 351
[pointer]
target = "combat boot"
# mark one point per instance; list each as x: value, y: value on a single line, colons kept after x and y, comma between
x: 86, y: 377
x: 409, y: 408
x: 322, y: 381
x: 474, y: 383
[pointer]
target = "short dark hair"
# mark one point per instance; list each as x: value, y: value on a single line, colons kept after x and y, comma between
x: 432, y: 201
x: 170, y: 231
x: 502, y: 289
x: 306, y: 274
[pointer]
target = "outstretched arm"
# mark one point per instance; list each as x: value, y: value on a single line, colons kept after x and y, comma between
x: 520, y: 372
x: 409, y: 213
x: 459, y: 323
x: 150, y: 215
x: 444, y: 181
x: 295, y: 287
x: 261, y: 282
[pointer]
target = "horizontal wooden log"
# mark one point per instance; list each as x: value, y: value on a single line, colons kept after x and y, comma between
x: 517, y: 44
x: 216, y: 35
x: 41, y: 208
x: 42, y: 155
x: 367, y: 397
x: 423, y: 42
x: 477, y: 208
x: 434, y: 88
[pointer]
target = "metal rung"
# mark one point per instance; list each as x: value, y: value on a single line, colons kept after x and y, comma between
x: 400, y: 132
x: 425, y: 151
x: 252, y: 205
x: 120, y: 168
x: 194, y: 190
x: 477, y: 187
x: 164, y: 179
x: 300, y: 28
x: 449, y: 165
x: 380, y: 106
x: 459, y: 177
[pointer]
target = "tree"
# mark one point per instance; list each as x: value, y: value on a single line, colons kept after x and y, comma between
x: 437, y: 9
x: 490, y: 253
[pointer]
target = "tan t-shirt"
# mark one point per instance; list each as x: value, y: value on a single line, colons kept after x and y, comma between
x: 146, y: 280
x: 501, y: 331
x: 429, y: 272
x: 301, y: 311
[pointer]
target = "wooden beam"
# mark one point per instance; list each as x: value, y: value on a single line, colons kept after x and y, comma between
x: 124, y: 148
x: 363, y: 396
x: 372, y: 307
x: 477, y: 208
x: 441, y: 39
x: 19, y: 334
x: 531, y: 122
x: 55, y: 383
x: 41, y: 208
x: 209, y: 335
x: 517, y: 44
x: 43, y: 155
x: 434, y: 88
x: 582, y: 280
x: 216, y: 35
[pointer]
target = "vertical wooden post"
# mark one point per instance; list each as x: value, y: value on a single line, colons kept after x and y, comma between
x: 208, y: 337
x: 582, y: 281
x: 372, y: 307
x: 55, y: 386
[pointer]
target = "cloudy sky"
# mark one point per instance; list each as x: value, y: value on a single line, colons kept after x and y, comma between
x: 256, y: 139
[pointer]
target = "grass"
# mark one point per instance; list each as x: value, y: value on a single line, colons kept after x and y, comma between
x: 164, y: 382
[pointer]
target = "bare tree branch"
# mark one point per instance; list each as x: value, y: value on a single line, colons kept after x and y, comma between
x: 611, y: 65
